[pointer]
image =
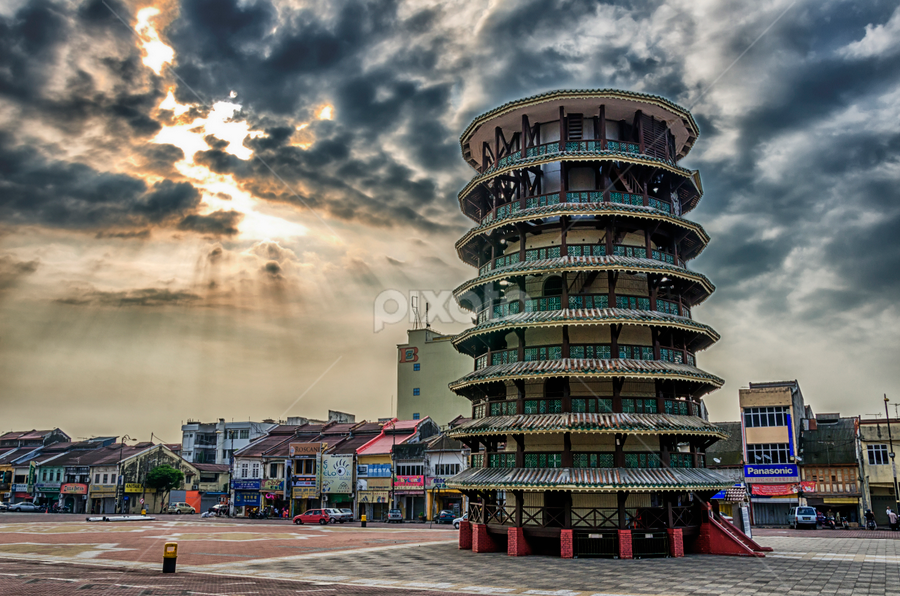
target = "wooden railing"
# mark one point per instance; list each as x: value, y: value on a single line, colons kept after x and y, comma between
x: 511, y: 209
x: 644, y: 518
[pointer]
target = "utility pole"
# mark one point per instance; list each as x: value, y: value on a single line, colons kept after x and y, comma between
x: 892, y: 454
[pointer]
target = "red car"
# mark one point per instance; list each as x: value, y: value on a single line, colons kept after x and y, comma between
x: 313, y: 516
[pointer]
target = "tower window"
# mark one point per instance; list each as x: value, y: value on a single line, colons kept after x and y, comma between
x: 415, y: 391
x: 415, y: 415
x: 417, y: 366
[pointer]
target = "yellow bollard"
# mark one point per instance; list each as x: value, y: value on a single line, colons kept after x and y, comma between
x: 362, y: 518
x: 170, y: 556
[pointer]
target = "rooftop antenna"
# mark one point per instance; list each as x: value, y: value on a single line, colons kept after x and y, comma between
x: 414, y: 305
x: 428, y: 325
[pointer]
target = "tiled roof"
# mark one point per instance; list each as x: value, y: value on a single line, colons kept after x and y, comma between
x: 830, y: 443
x: 609, y: 316
x: 351, y: 444
x: 602, y: 263
x: 730, y: 450
x: 443, y: 442
x: 266, y: 445
x: 212, y: 467
x: 384, y: 444
x: 590, y: 479
x: 587, y: 367
x: 588, y: 423
x: 557, y: 209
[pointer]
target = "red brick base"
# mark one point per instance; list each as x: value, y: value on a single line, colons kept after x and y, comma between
x: 676, y: 542
x: 465, y: 535
x: 516, y: 544
x: 625, y: 551
x: 566, y: 547
x: 481, y: 540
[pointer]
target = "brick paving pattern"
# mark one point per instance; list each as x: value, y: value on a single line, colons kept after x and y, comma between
x: 61, y: 555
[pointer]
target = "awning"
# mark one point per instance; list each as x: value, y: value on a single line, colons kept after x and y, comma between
x: 840, y: 500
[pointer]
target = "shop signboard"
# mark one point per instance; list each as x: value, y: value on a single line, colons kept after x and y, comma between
x: 337, y: 474
x: 47, y: 487
x: 73, y: 489
x: 306, y: 481
x: 409, y: 482
x: 373, y: 496
x: 378, y: 470
x: 245, y: 484
x: 781, y: 490
x: 771, y: 473
x: 20, y: 488
x: 246, y: 499
x: 301, y: 449
x: 272, y: 485
x: 436, y: 483
x: 362, y: 470
x: 103, y: 488
x: 135, y: 487
x: 305, y: 492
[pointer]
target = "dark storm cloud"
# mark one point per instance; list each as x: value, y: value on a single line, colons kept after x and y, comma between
x: 109, y: 86
x: 145, y: 297
x: 76, y: 196
x: 218, y: 223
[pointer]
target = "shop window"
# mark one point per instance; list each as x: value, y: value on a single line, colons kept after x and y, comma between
x: 763, y: 417
x: 768, y: 453
x: 244, y: 433
x: 273, y: 470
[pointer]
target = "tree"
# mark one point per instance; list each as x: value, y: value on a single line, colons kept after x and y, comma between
x: 164, y: 478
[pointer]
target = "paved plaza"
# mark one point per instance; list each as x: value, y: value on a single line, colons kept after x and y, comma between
x: 64, y: 554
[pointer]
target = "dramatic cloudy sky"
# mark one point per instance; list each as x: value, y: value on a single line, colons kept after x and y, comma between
x: 200, y: 201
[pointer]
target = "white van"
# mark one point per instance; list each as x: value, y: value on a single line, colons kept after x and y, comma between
x: 802, y: 516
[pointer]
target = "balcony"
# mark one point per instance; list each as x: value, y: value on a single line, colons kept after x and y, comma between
x: 581, y: 351
x: 578, y: 302
x: 511, y: 209
x: 581, y: 250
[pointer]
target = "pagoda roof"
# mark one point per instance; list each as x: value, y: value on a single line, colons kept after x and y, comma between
x: 587, y: 316
x: 590, y: 479
x: 601, y: 263
x: 587, y: 367
x: 692, y: 131
x: 588, y: 423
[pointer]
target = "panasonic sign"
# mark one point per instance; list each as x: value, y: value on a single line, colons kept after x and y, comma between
x: 770, y: 472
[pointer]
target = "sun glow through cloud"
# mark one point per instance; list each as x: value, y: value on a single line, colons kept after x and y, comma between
x: 190, y: 137
x: 156, y: 53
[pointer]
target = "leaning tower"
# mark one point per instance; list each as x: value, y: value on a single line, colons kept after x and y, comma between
x: 588, y: 431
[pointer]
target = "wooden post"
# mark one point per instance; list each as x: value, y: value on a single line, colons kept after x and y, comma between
x: 520, y: 351
x: 565, y: 341
x: 603, y: 127
x: 621, y: 498
x: 620, y: 450
x: 640, y: 127
x: 670, y: 520
x: 563, y: 234
x: 520, y: 399
x: 520, y: 503
x: 567, y: 459
x: 526, y: 129
x: 520, y: 450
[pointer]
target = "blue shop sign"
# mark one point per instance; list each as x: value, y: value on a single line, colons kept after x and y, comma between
x: 245, y: 484
x: 246, y: 499
x: 752, y: 471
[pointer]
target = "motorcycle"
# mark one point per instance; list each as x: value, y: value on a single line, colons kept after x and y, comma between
x: 871, y: 525
x: 829, y: 521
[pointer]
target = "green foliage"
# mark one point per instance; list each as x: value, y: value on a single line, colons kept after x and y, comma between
x: 164, y: 478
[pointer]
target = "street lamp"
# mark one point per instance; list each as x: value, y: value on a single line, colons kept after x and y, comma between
x: 893, y: 462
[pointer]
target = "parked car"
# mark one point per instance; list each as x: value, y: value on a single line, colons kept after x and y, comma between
x: 25, y: 506
x: 445, y: 517
x: 338, y: 516
x: 313, y: 516
x: 180, y: 508
x: 802, y: 516
x: 394, y: 517
x: 4, y: 506
x: 348, y: 513
x: 456, y: 521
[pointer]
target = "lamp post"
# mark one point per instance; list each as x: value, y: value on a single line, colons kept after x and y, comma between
x: 892, y: 454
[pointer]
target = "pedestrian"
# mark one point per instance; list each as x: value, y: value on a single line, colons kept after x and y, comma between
x: 892, y: 517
